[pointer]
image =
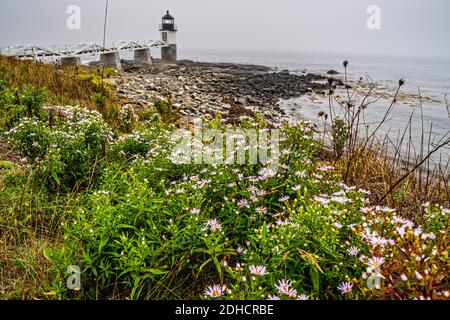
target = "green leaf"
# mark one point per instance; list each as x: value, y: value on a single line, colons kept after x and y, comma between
x: 156, y: 271
x: 315, y: 279
x: 55, y: 177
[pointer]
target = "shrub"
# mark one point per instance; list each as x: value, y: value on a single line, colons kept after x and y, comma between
x: 15, y: 104
x: 31, y: 137
x: 33, y: 99
x: 67, y: 155
x: 162, y: 106
x: 78, y: 149
x: 127, y: 119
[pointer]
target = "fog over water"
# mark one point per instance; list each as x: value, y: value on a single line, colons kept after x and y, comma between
x: 408, y: 27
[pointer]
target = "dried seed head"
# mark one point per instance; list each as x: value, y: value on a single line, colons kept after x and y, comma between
x: 331, y: 92
x: 345, y: 63
x: 321, y: 114
x: 401, y: 82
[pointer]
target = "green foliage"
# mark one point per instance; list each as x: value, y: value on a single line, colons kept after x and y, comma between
x: 64, y: 155
x: 140, y: 225
x: 16, y: 104
x: 127, y: 119
x: 151, y: 222
x: 339, y: 134
x: 32, y: 137
x: 33, y: 99
x: 99, y: 100
x: 162, y: 106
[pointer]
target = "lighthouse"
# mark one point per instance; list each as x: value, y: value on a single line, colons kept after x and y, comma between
x: 168, y: 31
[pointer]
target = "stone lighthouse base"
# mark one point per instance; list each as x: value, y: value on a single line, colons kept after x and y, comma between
x: 169, y: 53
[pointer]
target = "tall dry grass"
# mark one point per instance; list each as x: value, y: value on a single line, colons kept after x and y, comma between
x: 398, y: 173
x: 70, y: 85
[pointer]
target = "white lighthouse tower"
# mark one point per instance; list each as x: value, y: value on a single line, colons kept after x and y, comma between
x: 169, y: 35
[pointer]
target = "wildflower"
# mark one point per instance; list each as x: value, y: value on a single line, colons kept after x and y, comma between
x: 284, y: 287
x: 375, y: 262
x: 214, y: 225
x: 271, y: 297
x: 337, y: 225
x: 353, y: 251
x: 345, y: 287
x: 417, y: 231
x: 321, y: 200
x: 400, y: 231
x: 241, y: 251
x: 301, y: 174
x: 284, y: 199
x: 297, y: 188
x: 378, y: 241
x: 426, y: 236
x: 303, y: 297
x: 267, y: 173
x: 258, y: 270
x: 419, y: 276
x: 261, y: 210
x: 243, y: 203
x: 195, y: 211
x: 404, y: 277
x: 262, y: 193
x: 215, y: 291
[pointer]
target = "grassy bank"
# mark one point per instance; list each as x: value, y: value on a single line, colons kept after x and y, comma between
x: 103, y: 193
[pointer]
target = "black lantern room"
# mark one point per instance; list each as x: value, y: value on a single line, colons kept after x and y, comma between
x: 168, y: 23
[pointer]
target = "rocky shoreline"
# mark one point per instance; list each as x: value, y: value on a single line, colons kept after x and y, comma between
x: 198, y: 89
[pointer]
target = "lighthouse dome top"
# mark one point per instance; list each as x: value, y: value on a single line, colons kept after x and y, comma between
x: 168, y: 16
x: 168, y: 23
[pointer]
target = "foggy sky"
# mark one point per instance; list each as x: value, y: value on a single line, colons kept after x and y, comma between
x: 409, y: 27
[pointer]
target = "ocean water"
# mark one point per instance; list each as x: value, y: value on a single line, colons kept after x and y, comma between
x: 431, y: 75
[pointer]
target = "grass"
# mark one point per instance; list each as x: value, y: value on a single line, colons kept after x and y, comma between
x: 113, y: 201
x: 399, y: 174
x: 82, y: 86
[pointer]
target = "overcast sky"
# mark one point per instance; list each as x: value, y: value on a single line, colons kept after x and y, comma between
x: 408, y: 27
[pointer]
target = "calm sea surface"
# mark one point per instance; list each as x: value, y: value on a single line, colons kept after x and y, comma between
x: 432, y: 76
